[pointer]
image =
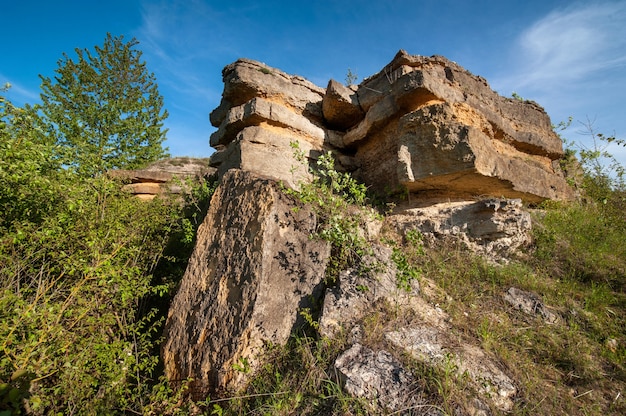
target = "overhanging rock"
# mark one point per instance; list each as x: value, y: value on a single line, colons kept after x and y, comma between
x: 423, y: 125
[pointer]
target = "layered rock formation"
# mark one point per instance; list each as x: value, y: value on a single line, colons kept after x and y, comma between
x: 423, y: 125
x: 167, y: 175
x: 423, y: 128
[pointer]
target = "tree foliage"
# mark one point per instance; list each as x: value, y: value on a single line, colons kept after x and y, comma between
x: 85, y: 267
x: 104, y: 109
x: 28, y: 169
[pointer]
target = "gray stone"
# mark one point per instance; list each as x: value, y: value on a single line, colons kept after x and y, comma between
x: 357, y: 290
x: 530, y: 303
x: 382, y: 380
x: 426, y: 344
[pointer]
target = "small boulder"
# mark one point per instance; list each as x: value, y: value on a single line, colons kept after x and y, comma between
x: 530, y: 303
x: 382, y: 380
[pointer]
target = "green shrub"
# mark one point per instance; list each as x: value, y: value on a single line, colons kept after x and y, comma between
x: 80, y: 307
x: 336, y: 198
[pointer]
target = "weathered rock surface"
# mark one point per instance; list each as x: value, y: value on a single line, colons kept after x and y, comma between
x: 341, y: 106
x: 253, y: 267
x: 357, y: 290
x: 159, y: 176
x: 246, y: 79
x: 423, y: 124
x: 426, y: 337
x: 432, y: 346
x: 382, y: 379
x: 263, y: 114
x: 530, y: 303
x: 465, y: 157
x: 451, y: 150
x: 495, y: 228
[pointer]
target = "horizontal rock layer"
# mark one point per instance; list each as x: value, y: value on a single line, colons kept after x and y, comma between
x: 423, y: 125
x: 167, y: 175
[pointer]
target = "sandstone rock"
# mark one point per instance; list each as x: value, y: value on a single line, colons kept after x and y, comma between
x: 423, y: 124
x: 253, y: 268
x: 166, y: 169
x: 382, y: 380
x: 246, y: 79
x: 263, y: 113
x: 450, y: 150
x: 341, y: 106
x: 530, y: 303
x: 268, y: 152
x: 412, y: 81
x: 144, y: 188
x: 494, y: 228
x: 258, y: 111
x: 160, y: 176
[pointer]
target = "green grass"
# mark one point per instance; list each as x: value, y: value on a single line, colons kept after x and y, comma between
x: 574, y: 367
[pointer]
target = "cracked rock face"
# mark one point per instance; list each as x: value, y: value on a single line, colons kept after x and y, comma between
x: 422, y: 124
x: 253, y: 268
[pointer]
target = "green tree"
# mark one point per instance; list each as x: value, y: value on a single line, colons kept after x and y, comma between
x: 29, y: 172
x: 104, y: 109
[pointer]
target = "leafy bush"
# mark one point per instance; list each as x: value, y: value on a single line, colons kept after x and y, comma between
x: 85, y: 269
x: 334, y: 196
x: 73, y: 305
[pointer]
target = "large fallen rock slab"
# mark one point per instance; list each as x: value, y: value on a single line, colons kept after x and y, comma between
x: 254, y: 266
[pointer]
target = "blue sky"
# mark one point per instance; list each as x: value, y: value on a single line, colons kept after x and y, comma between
x: 568, y: 56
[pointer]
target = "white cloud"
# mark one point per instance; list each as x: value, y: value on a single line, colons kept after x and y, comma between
x: 571, y: 44
x: 17, y: 93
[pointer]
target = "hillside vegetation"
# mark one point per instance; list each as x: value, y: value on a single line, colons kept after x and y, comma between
x: 87, y: 273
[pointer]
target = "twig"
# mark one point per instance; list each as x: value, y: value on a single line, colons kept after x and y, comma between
x: 582, y: 394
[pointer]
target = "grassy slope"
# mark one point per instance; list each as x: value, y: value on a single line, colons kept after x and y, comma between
x: 574, y: 367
